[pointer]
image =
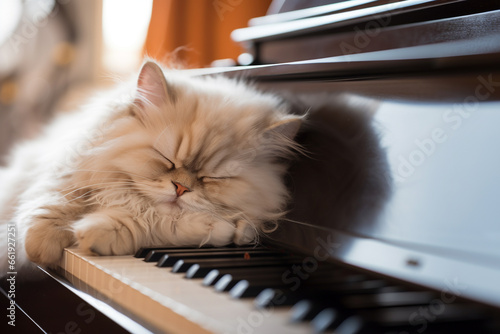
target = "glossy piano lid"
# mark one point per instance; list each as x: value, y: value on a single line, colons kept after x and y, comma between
x: 404, y: 185
x: 422, y: 173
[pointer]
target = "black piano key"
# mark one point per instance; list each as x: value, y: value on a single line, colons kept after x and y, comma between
x: 255, y: 273
x: 156, y: 254
x: 332, y: 277
x: 305, y: 310
x: 200, y: 271
x: 225, y: 283
x: 180, y: 266
x: 259, y: 281
x: 195, y: 271
x: 168, y: 260
x: 143, y: 251
x: 272, y: 276
x: 325, y: 320
x: 335, y: 278
x: 351, y: 299
x: 252, y: 286
x: 337, y: 290
x: 386, y: 299
x: 246, y: 289
x: 336, y: 286
x: 352, y: 293
x: 212, y: 261
x: 213, y: 276
x: 275, y: 297
x: 233, y: 263
x: 393, y: 296
x: 183, y: 266
x: 352, y: 286
x: 313, y: 301
x: 284, y: 264
x: 399, y: 316
x: 332, y: 319
x: 351, y: 325
x: 242, y: 289
x: 210, y: 278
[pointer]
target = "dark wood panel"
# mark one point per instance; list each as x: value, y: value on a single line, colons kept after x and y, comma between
x: 52, y: 308
x: 375, y: 35
x: 359, y: 31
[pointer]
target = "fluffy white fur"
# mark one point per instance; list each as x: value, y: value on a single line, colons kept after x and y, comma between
x: 103, y: 177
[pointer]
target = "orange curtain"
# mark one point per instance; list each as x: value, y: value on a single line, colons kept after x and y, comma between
x: 197, y: 32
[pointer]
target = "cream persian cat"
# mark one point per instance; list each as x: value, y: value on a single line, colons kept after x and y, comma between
x: 181, y: 161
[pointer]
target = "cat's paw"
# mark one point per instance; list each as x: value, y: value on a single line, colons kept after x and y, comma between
x: 103, y: 235
x: 198, y: 229
x: 245, y: 233
x: 45, y: 242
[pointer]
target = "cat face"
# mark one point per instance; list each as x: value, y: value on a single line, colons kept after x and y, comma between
x: 203, y: 145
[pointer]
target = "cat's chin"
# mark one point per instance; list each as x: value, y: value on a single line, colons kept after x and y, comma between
x: 169, y: 206
x: 174, y: 203
x: 176, y: 206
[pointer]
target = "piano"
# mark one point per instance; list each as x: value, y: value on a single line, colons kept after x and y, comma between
x: 394, y: 222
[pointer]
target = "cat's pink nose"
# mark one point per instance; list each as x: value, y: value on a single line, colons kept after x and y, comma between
x: 180, y: 189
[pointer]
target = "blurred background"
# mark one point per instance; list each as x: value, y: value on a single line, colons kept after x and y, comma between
x: 54, y: 54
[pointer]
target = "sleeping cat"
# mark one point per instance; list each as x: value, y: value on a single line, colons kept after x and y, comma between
x: 180, y: 161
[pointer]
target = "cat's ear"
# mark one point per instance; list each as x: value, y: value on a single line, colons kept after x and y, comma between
x: 152, y: 87
x: 287, y: 128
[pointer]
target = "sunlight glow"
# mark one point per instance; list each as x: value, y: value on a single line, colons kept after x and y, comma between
x: 125, y: 24
x: 10, y: 13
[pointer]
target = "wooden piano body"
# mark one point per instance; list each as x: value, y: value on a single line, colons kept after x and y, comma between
x: 400, y: 180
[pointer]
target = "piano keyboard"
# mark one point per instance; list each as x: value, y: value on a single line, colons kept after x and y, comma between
x: 256, y: 290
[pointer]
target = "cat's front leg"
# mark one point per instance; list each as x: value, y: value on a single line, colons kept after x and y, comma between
x: 47, y: 234
x: 107, y: 232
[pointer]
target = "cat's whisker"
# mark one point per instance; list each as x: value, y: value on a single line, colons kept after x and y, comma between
x: 81, y: 196
x: 95, y: 184
x: 73, y: 185
x: 93, y: 190
x: 92, y: 186
x: 121, y: 181
x: 114, y: 171
x: 103, y: 201
x: 306, y: 224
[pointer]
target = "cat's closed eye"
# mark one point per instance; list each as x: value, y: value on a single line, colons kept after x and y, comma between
x: 171, y: 165
x: 158, y: 170
x: 213, y: 178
